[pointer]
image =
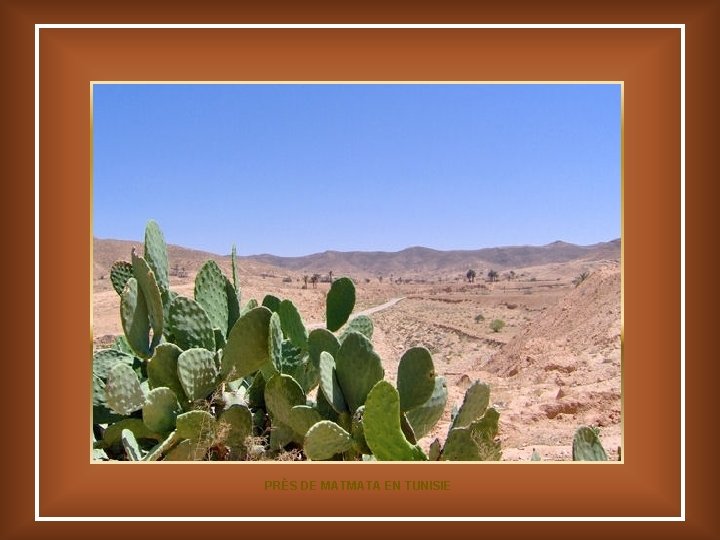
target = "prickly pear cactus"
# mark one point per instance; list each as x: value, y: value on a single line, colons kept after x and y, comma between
x: 358, y: 369
x: 198, y: 373
x: 325, y: 439
x: 415, y: 378
x: 247, y: 346
x: 381, y: 423
x: 123, y: 392
x: 160, y: 410
x: 339, y: 303
x: 190, y: 325
x: 211, y: 294
x: 120, y: 272
x: 587, y: 446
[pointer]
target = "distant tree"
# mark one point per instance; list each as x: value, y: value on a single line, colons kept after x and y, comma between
x: 511, y: 274
x: 314, y: 279
x: 471, y: 275
x: 330, y: 273
x: 305, y: 279
x: 380, y: 279
x: 492, y: 275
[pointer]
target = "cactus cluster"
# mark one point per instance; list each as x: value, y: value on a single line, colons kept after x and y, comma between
x: 207, y: 378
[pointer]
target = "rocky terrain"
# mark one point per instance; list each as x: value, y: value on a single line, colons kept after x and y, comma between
x: 554, y: 365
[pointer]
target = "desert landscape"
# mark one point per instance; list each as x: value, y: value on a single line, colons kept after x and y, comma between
x: 553, y: 364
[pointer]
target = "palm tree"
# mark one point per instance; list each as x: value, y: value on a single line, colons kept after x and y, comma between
x: 493, y: 275
x: 471, y: 275
x: 314, y: 279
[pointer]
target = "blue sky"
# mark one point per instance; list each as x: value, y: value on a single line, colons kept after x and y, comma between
x: 299, y: 169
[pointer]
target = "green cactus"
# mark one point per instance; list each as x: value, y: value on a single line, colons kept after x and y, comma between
x: 362, y: 324
x: 156, y: 256
x: 190, y: 325
x: 415, y: 378
x: 358, y: 369
x: 113, y: 434
x: 474, y: 442
x: 381, y: 423
x: 329, y: 385
x: 271, y: 302
x: 160, y: 410
x: 275, y: 341
x: 292, y: 324
x: 199, y: 426
x: 120, y: 272
x: 197, y: 372
x: 162, y: 369
x: 424, y: 417
x: 477, y: 398
x: 135, y: 319
x: 302, y: 418
x: 123, y: 393
x: 247, y: 346
x: 105, y: 359
x: 339, y: 303
x: 325, y: 439
x: 357, y: 431
x: 237, y: 421
x: 233, y: 302
x: 282, y: 393
x: 587, y: 446
x: 130, y: 444
x: 211, y: 294
x: 150, y: 291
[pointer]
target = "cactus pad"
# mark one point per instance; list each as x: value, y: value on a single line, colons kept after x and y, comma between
x: 339, y: 303
x: 587, y: 446
x: 325, y: 439
x: 329, y: 385
x: 190, y: 325
x: 197, y: 373
x: 197, y: 426
x: 153, y: 301
x: 105, y: 359
x: 120, y: 272
x: 282, y: 393
x: 275, y: 339
x: 211, y: 294
x: 358, y: 369
x: 156, y: 256
x: 415, y: 378
x: 160, y: 410
x: 292, y: 324
x: 362, y: 324
x: 134, y: 318
x: 122, y: 391
x: 302, y: 418
x: 132, y: 450
x: 271, y: 302
x: 162, y: 369
x: 235, y: 426
x: 381, y: 423
x: 423, y: 418
x: 476, y: 401
x: 248, y: 343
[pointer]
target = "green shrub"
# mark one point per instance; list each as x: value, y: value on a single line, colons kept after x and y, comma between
x: 497, y: 324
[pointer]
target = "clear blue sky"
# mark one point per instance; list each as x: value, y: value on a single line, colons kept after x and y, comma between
x: 299, y: 169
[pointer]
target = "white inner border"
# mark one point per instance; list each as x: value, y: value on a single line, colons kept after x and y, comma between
x: 39, y: 27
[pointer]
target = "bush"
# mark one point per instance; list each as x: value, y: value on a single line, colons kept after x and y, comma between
x: 479, y: 317
x: 497, y: 324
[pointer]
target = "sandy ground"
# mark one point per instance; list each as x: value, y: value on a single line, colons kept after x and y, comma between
x: 554, y: 366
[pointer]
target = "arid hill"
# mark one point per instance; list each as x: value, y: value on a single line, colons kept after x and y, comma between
x: 411, y: 262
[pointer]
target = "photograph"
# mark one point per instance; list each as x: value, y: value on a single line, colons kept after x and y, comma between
x: 367, y: 272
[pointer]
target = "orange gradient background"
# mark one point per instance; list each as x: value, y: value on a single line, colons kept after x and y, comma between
x: 647, y: 61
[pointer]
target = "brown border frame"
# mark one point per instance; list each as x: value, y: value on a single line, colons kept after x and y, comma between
x: 651, y: 238
x: 69, y: 58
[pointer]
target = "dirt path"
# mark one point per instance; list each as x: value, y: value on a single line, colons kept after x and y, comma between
x: 390, y: 303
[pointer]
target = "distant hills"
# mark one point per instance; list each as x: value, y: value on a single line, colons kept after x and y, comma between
x: 410, y: 261
x: 421, y: 260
